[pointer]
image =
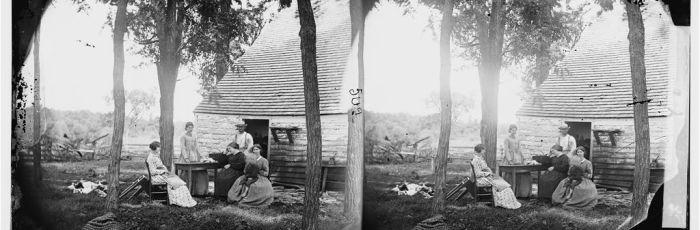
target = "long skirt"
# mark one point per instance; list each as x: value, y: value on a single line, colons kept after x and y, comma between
x: 548, y: 183
x: 177, y: 190
x: 503, y: 195
x: 583, y: 196
x: 259, y: 194
x: 224, y: 181
x: 524, y: 187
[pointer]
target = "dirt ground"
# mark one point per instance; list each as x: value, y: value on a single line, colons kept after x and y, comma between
x: 384, y: 209
x: 52, y: 206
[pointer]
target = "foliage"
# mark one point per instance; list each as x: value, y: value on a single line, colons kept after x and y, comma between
x: 79, y: 128
x: 461, y: 104
x: 139, y: 103
x: 216, y: 32
x: 69, y: 127
x: 219, y: 36
x: 396, y: 132
x: 538, y: 33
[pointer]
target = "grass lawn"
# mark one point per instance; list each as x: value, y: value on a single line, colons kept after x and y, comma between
x: 51, y: 206
x: 384, y: 209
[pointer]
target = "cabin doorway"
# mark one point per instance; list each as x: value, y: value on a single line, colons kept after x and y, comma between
x: 581, y: 131
x: 260, y: 130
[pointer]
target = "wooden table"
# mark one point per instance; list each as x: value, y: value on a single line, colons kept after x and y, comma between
x: 515, y: 169
x: 324, y: 169
x: 195, y: 166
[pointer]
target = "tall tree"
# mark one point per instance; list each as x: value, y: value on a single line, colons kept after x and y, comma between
x: 26, y: 17
x: 119, y: 100
x: 445, y: 107
x: 312, y: 193
x: 356, y: 120
x: 494, y: 34
x: 359, y: 9
x: 37, y: 107
x: 640, y: 187
x: 169, y: 24
x: 490, y: 30
x: 177, y: 32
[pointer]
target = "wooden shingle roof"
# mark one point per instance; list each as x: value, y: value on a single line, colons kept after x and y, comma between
x: 273, y: 84
x: 594, y: 80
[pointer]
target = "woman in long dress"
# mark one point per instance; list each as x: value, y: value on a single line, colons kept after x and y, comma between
x: 253, y: 189
x: 513, y: 156
x: 177, y: 189
x: 503, y: 195
x: 577, y: 191
x: 555, y: 173
x: 190, y: 153
x: 233, y: 163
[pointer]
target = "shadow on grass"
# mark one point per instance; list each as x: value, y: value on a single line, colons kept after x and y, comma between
x: 384, y: 209
x: 50, y: 206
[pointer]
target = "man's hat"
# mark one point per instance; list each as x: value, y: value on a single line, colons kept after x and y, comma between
x: 241, y: 125
x: 564, y: 126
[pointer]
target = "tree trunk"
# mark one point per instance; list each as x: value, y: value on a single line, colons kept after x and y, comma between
x: 166, y: 81
x: 37, y: 108
x: 356, y: 123
x: 169, y: 31
x: 312, y: 185
x: 119, y: 101
x: 491, y: 48
x: 542, y: 64
x: 543, y: 61
x: 445, y: 108
x: 640, y: 187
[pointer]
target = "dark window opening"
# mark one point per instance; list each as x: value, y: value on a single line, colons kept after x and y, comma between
x: 581, y: 131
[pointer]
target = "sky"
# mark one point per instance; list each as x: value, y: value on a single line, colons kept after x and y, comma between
x: 402, y: 66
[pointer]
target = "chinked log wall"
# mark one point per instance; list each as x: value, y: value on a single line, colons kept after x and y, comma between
x: 612, y: 166
x: 287, y: 160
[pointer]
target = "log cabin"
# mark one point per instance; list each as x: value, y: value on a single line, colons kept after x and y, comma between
x: 265, y: 91
x: 591, y: 91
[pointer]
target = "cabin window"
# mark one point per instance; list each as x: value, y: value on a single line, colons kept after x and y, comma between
x: 287, y: 130
x: 606, y: 137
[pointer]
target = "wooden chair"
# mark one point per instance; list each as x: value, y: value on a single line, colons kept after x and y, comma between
x: 158, y: 192
x: 479, y: 191
x: 471, y: 187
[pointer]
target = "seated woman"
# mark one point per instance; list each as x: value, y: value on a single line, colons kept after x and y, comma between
x: 503, y: 195
x: 177, y: 189
x: 253, y: 189
x: 233, y: 162
x: 577, y: 191
x: 557, y: 172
